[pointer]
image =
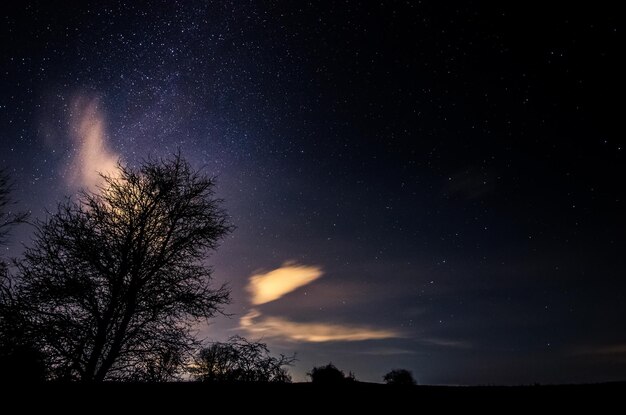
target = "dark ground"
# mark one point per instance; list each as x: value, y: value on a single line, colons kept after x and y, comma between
x: 308, y: 398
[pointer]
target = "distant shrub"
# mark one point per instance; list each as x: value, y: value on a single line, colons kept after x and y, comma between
x: 330, y: 375
x: 399, y: 377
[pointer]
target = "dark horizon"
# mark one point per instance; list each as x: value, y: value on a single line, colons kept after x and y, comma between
x: 414, y: 185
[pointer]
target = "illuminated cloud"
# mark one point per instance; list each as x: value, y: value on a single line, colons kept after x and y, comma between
x: 273, y: 285
x: 278, y: 327
x: 91, y: 155
x: 606, y: 350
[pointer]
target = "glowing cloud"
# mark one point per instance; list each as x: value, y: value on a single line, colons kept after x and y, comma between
x: 91, y: 155
x: 273, y: 285
x: 254, y: 323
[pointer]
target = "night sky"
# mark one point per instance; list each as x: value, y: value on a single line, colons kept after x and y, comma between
x: 414, y: 185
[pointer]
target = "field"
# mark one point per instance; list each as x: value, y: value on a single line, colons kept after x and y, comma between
x: 309, y: 398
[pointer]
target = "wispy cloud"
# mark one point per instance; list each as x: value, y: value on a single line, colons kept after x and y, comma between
x: 387, y: 351
x: 456, y: 344
x: 604, y: 350
x: 254, y: 322
x: 272, y: 285
x: 91, y: 154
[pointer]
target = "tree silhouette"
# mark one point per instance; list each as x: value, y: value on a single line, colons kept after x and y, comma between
x: 329, y: 375
x: 115, y: 280
x: 239, y: 360
x: 20, y: 360
x: 399, y: 377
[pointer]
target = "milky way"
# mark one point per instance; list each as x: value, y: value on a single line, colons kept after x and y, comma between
x: 414, y: 186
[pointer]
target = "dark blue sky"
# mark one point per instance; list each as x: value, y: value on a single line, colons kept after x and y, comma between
x: 451, y: 175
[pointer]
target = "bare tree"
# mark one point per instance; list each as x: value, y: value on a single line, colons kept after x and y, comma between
x: 116, y: 279
x: 239, y: 360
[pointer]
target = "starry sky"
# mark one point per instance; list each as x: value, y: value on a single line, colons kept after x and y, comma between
x: 414, y: 185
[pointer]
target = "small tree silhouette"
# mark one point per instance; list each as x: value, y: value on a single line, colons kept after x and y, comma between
x: 329, y: 375
x: 399, y: 377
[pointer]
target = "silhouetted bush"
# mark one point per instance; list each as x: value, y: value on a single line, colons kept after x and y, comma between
x: 20, y: 362
x: 20, y: 358
x: 329, y: 375
x: 239, y: 360
x: 399, y: 377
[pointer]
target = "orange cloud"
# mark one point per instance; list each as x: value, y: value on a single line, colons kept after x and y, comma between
x: 272, y: 285
x: 255, y: 323
x: 91, y: 154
